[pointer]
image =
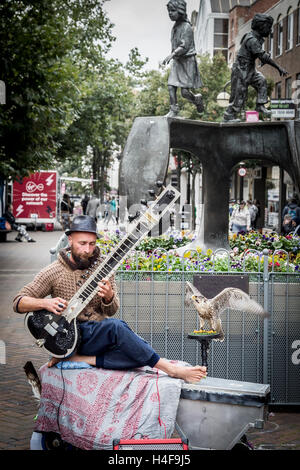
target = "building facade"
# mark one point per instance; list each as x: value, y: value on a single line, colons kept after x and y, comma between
x: 211, y: 25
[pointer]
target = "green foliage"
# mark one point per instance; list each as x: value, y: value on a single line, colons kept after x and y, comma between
x: 134, y: 66
x: 103, y: 121
x: 153, y: 98
x: 47, y: 51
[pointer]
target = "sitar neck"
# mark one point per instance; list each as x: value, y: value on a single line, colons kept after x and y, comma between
x: 109, y: 266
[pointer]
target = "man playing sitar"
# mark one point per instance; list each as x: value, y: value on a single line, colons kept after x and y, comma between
x: 105, y: 342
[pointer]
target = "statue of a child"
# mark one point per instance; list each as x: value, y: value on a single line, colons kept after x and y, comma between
x: 243, y: 71
x: 184, y: 70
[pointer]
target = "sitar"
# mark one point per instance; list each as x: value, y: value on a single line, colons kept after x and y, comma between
x: 60, y: 334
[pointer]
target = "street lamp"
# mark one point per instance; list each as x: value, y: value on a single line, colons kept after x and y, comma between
x: 223, y: 97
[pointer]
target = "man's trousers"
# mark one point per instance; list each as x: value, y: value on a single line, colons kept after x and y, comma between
x: 115, y: 345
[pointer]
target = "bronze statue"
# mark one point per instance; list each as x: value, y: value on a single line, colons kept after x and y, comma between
x: 184, y: 71
x: 243, y: 70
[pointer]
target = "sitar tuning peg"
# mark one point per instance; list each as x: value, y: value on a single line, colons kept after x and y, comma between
x: 159, y: 184
x: 151, y: 192
x: 144, y: 202
x: 131, y: 218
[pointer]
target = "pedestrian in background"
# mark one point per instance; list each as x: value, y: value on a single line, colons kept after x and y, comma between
x: 112, y: 210
x: 77, y: 209
x: 84, y: 203
x: 9, y: 217
x: 92, y: 207
x: 232, y: 206
x: 257, y: 205
x: 240, y: 220
x: 291, y: 209
x: 66, y: 210
x: 253, y: 213
x: 296, y: 226
x: 287, y: 226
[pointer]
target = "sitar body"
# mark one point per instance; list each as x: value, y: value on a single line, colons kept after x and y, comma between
x: 53, y: 332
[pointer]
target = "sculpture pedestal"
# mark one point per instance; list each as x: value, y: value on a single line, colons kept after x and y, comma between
x: 205, y: 340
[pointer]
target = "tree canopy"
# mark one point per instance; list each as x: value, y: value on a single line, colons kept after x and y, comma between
x: 48, y: 49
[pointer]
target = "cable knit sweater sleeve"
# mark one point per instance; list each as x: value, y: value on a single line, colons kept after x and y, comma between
x: 40, y: 287
x: 58, y: 280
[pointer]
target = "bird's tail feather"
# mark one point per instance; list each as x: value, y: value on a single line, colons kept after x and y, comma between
x: 253, y: 306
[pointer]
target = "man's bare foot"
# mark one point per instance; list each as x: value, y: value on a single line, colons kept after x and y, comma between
x: 189, y: 374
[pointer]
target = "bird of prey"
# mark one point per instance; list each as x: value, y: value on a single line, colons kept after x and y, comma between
x: 210, y: 309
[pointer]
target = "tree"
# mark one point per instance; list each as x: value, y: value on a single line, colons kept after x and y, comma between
x: 102, y: 123
x: 47, y: 51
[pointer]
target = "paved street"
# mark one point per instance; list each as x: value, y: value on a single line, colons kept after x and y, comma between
x: 19, y: 262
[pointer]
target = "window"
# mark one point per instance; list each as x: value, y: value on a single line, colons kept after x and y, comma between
x: 288, y: 88
x: 279, y: 36
x: 289, y: 29
x: 270, y: 49
x: 221, y: 36
x: 278, y: 91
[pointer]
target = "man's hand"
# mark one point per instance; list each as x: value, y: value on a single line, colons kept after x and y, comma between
x: 105, y: 290
x: 56, y: 305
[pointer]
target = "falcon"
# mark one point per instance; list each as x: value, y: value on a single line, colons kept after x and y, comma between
x: 210, y: 309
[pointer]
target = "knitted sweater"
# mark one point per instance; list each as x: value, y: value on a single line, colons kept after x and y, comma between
x: 62, y: 279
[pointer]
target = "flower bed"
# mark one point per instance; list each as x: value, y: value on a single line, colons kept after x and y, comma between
x: 153, y: 254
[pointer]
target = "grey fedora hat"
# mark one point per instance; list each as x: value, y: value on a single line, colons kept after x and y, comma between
x: 82, y: 223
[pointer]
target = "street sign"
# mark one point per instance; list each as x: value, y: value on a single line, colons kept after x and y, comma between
x: 242, y: 171
x: 35, y: 198
x: 283, y: 109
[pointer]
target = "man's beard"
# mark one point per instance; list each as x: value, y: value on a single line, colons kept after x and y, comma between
x: 81, y: 261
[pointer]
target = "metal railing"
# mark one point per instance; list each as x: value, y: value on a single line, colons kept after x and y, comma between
x: 254, y: 350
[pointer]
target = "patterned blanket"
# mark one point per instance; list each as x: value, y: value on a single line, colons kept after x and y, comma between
x: 90, y: 407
